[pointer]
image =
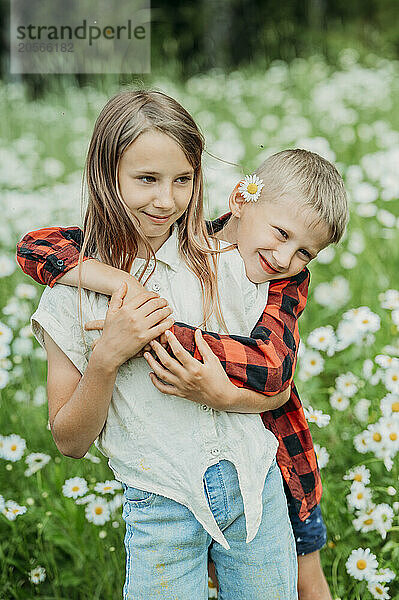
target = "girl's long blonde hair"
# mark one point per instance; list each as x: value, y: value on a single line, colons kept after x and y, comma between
x: 110, y: 232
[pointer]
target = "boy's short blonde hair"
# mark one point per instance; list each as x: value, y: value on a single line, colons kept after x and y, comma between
x: 313, y: 179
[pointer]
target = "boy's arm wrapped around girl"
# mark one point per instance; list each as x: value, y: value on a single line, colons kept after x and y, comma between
x: 264, y: 362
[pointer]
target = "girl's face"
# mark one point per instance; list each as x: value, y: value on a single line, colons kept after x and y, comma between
x: 156, y: 184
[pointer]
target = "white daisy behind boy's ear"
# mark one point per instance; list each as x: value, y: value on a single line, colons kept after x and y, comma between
x: 250, y: 188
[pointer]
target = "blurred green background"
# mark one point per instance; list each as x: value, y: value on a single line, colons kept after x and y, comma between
x: 258, y: 77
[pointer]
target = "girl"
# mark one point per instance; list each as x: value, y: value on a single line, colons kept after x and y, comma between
x: 194, y: 479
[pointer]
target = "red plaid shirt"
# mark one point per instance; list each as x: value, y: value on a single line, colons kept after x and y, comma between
x: 264, y: 362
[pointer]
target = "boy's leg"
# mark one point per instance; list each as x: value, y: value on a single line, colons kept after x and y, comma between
x: 312, y: 584
x: 166, y: 549
x: 267, y: 566
x: 310, y: 536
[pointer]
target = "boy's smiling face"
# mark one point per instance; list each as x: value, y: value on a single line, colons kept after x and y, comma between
x: 277, y: 239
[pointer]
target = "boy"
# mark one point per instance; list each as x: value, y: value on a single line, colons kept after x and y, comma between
x: 292, y: 207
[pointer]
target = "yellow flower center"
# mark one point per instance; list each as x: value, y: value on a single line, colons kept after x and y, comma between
x: 107, y: 487
x: 368, y: 521
x: 393, y: 436
x: 377, y: 437
x: 13, y: 447
x: 252, y: 188
x: 312, y: 362
x: 75, y: 488
x: 357, y: 477
x: 378, y: 590
x: 98, y: 510
x: 395, y: 407
x: 394, y: 378
x: 365, y: 321
x: 361, y: 564
x: 359, y: 496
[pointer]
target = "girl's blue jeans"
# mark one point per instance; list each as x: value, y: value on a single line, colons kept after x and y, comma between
x: 167, y: 548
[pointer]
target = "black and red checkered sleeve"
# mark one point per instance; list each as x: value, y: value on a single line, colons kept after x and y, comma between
x: 46, y: 254
x: 265, y: 361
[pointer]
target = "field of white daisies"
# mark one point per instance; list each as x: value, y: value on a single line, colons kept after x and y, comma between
x: 61, y: 532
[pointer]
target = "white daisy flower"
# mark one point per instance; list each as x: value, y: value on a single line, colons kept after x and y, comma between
x: 25, y: 291
x: 384, y: 517
x: 348, y: 260
x: 12, y: 510
x: 367, y: 368
x: 316, y: 416
x: 378, y: 590
x: 92, y: 458
x: 13, y: 447
x: 40, y: 395
x: 4, y: 378
x: 389, y: 405
x: 347, y: 334
x: 115, y: 503
x: 359, y: 497
x: 74, y: 487
x: 339, y: 401
x: 377, y: 435
x: 86, y: 499
x: 347, y: 384
x: 326, y: 256
x: 391, y: 379
x: 333, y: 294
x: 5, y: 350
x: 365, y: 320
x: 97, y: 511
x: 360, y: 474
x: 356, y: 243
x: 37, y: 575
x: 389, y: 299
x: 35, y: 462
x: 385, y: 575
x: 7, y: 265
x: 365, y: 520
x: 361, y: 410
x: 107, y: 487
x: 5, y: 334
x: 250, y: 188
x: 21, y: 396
x: 311, y: 364
x: 395, y: 317
x: 362, y: 564
x: 322, y: 455
x: 385, y: 361
x: 22, y: 346
x: 323, y: 338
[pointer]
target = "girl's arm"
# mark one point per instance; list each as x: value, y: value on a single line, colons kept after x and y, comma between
x: 264, y: 362
x: 78, y: 405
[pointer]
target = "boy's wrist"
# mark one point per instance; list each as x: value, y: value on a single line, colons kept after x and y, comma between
x: 118, y: 277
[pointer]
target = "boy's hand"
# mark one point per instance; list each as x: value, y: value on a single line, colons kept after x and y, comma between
x: 186, y: 377
x: 131, y: 325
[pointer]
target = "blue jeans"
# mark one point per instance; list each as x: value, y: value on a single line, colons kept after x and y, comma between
x: 167, y: 548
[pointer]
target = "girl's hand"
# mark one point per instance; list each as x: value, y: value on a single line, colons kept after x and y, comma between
x: 184, y: 376
x: 131, y: 324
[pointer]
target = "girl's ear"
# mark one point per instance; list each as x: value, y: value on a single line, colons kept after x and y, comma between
x: 236, y: 202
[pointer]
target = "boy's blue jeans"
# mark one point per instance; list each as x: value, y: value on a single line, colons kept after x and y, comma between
x: 167, y: 548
